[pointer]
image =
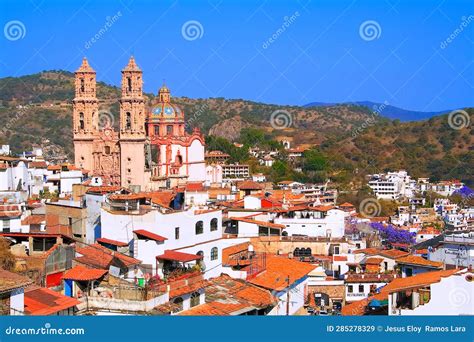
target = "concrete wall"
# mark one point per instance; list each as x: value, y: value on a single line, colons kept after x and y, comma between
x: 297, y: 298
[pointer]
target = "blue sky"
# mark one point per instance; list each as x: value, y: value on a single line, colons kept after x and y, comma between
x: 321, y: 54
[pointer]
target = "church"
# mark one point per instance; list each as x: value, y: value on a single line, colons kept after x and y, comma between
x: 151, y: 149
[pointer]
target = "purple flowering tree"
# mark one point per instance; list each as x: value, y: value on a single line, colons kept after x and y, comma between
x: 392, y: 234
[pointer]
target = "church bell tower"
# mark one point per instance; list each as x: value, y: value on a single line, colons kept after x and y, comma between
x: 132, y: 133
x: 85, y: 115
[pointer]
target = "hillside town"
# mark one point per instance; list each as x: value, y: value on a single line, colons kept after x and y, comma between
x: 147, y: 221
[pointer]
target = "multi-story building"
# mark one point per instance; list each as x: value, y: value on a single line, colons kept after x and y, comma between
x: 235, y: 172
x: 162, y: 234
x: 391, y: 186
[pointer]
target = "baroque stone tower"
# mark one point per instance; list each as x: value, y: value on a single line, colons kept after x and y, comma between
x: 85, y: 115
x: 96, y: 145
x: 132, y: 127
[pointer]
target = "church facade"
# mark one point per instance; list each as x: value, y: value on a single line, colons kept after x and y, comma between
x: 151, y: 149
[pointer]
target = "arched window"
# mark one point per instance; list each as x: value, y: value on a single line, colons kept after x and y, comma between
x: 107, y: 149
x: 178, y: 304
x: 296, y: 252
x: 129, y: 84
x: 128, y: 121
x: 81, y: 120
x: 199, y: 227
x: 169, y: 129
x: 307, y: 252
x: 82, y: 85
x: 214, y: 223
x: 195, y: 299
x: 214, y: 253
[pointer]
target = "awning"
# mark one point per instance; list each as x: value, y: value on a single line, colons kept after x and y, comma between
x: 178, y: 256
x: 149, y: 235
x: 112, y: 242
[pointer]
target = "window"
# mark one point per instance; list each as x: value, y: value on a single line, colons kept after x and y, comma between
x: 336, y: 250
x: 178, y: 302
x: 176, y: 233
x: 107, y: 149
x: 6, y: 223
x: 129, y: 84
x: 169, y: 129
x: 214, y: 224
x: 157, y: 130
x: 195, y: 299
x: 128, y: 121
x: 214, y: 253
x: 350, y: 289
x: 361, y: 288
x: 82, y: 85
x: 199, y: 228
x: 81, y: 120
x: 69, y: 220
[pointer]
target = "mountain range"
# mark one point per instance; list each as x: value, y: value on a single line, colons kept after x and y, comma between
x: 386, y: 110
x: 37, y: 109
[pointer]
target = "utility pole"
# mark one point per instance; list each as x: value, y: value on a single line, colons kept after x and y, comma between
x: 288, y: 296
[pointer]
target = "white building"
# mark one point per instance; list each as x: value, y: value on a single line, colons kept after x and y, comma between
x: 438, y: 293
x: 456, y: 250
x: 213, y: 174
x: 312, y: 221
x: 259, y: 177
x: 391, y: 185
x: 235, y: 172
x: 190, y: 231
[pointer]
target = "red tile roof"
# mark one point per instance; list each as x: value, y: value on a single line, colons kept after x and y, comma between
x: 228, y: 296
x: 34, y: 219
x: 149, y: 235
x: 43, y: 301
x: 178, y: 256
x: 11, y: 281
x: 339, y: 258
x: 37, y: 164
x: 112, y: 242
x: 249, y: 185
x: 99, y: 256
x: 195, y: 186
x: 102, y: 189
x: 419, y: 280
x: 392, y: 253
x: 215, y: 309
x: 278, y: 269
x: 373, y: 261
x: 419, y: 261
x: 82, y: 273
x: 231, y: 250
